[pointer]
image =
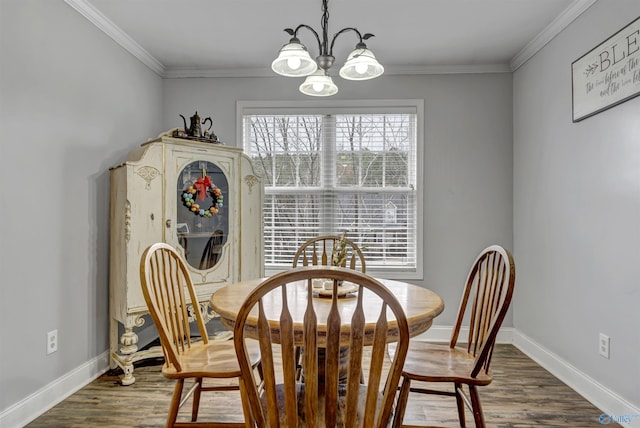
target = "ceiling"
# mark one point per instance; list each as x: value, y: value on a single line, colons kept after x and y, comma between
x: 190, y: 38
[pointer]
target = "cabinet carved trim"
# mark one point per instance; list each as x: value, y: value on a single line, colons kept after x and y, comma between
x: 127, y: 221
x: 148, y: 173
x: 251, y: 180
x: 207, y: 313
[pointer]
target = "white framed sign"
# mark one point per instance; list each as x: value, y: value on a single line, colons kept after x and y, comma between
x: 607, y: 75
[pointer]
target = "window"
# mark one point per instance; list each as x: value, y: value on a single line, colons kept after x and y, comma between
x: 332, y: 169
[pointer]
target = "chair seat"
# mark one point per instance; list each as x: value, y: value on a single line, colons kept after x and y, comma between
x: 437, y: 362
x: 215, y: 359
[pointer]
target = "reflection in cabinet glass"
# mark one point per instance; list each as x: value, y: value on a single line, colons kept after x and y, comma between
x: 203, y: 219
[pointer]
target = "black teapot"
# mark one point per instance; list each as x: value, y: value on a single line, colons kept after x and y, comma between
x: 195, y: 129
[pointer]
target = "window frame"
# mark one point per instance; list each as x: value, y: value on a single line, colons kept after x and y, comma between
x: 332, y: 107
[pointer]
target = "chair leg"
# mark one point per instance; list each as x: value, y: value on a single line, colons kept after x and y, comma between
x: 175, y: 403
x: 196, y: 400
x: 401, y: 403
x: 460, y: 403
x: 477, y: 409
x: 246, y: 407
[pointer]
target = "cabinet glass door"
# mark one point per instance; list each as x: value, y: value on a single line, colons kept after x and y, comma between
x: 202, y: 219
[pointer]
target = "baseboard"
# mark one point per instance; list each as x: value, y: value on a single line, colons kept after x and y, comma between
x: 439, y: 333
x: 28, y: 409
x: 615, y: 408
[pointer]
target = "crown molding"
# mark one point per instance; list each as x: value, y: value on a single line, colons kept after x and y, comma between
x: 562, y: 21
x: 575, y: 9
x: 193, y: 72
x: 447, y: 69
x: 186, y: 72
x: 112, y: 30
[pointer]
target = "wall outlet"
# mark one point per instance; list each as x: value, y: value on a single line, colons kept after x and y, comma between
x: 52, y: 342
x: 603, y: 347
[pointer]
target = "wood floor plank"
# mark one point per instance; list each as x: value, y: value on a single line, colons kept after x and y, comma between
x: 522, y: 394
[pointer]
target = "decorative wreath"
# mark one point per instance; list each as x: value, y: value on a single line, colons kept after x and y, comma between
x: 203, y: 187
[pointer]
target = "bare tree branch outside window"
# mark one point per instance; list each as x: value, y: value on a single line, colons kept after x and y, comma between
x: 371, y: 197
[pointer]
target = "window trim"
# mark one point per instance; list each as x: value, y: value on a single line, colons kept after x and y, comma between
x: 244, y: 107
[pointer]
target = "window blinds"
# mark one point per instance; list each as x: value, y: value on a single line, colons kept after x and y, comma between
x: 325, y: 173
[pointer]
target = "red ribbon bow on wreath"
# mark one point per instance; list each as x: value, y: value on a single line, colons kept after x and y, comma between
x: 201, y: 185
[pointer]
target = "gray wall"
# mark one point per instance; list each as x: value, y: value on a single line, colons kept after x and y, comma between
x: 577, y: 211
x: 72, y: 103
x: 467, y: 155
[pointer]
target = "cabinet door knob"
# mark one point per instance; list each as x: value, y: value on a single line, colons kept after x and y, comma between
x: 168, y: 223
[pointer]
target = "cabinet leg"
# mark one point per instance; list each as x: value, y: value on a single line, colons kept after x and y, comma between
x: 128, y: 352
x: 128, y: 377
x: 124, y: 349
x: 128, y: 349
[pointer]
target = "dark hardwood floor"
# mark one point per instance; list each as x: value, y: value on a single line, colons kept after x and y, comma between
x: 522, y: 395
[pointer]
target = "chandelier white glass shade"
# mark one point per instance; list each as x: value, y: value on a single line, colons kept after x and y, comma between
x: 319, y: 84
x: 294, y: 60
x: 361, y: 65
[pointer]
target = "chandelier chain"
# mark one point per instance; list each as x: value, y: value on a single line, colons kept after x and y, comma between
x: 325, y: 25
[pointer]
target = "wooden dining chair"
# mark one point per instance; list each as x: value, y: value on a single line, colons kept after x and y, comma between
x: 318, y: 250
x: 488, y: 291
x: 331, y: 394
x: 164, y: 278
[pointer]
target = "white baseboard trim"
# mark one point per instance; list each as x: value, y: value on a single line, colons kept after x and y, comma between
x: 615, y: 407
x: 440, y: 333
x: 28, y: 409
x: 618, y: 408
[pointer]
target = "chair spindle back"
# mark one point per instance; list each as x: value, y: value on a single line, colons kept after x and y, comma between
x: 164, y: 278
x: 317, y: 251
x: 488, y: 289
x: 324, y: 400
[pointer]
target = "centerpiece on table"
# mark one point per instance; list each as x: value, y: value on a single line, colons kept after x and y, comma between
x: 324, y: 287
x: 339, y: 252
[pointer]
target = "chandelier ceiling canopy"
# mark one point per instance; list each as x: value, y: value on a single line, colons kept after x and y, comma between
x: 294, y: 59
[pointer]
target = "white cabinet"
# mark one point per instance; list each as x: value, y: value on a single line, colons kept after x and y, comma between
x: 202, y: 198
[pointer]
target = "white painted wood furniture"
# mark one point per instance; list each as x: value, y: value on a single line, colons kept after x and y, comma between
x: 148, y: 206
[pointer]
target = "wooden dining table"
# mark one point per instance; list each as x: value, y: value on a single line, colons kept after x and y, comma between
x: 420, y: 304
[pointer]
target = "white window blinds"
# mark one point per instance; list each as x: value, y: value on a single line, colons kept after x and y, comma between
x: 330, y: 172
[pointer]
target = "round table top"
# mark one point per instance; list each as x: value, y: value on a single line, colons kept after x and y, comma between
x: 420, y: 304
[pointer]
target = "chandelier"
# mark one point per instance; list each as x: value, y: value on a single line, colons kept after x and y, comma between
x: 294, y: 60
